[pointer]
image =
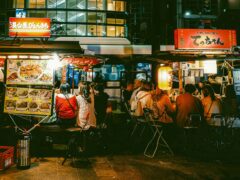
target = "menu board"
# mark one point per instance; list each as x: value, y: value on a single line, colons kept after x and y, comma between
x: 29, y: 72
x: 28, y: 101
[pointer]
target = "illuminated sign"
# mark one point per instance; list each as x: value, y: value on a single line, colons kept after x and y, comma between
x: 204, y: 39
x: 29, y: 27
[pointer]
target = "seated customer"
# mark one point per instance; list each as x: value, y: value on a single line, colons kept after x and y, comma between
x: 162, y: 106
x: 186, y: 104
x: 211, y: 104
x: 230, y: 105
x: 66, y: 106
x: 101, y: 103
x: 86, y: 117
x: 127, y: 93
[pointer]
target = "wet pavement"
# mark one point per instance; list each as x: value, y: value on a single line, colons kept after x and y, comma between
x: 124, y: 166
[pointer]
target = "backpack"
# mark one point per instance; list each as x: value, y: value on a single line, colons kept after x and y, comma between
x: 136, y: 106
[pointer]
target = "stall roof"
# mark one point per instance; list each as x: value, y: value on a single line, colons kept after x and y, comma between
x: 39, y: 46
x: 189, y: 55
x: 96, y: 40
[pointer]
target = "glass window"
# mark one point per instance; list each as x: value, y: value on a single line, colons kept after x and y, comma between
x: 32, y: 4
x: 110, y: 30
x: 72, y: 29
x: 36, y: 4
x: 101, y: 17
x: 18, y: 3
x: 76, y: 4
x: 81, y: 4
x: 120, y: 21
x: 41, y: 4
x: 72, y: 4
x: 101, y: 4
x: 101, y: 30
x: 52, y: 15
x: 81, y: 30
x: 119, y: 5
x: 111, y: 21
x: 61, y: 16
x: 72, y: 16
x: 110, y: 5
x: 92, y: 4
x: 120, y: 31
x: 92, y: 17
x: 61, y: 4
x: 40, y: 14
x: 92, y: 30
x: 81, y: 16
x: 52, y: 3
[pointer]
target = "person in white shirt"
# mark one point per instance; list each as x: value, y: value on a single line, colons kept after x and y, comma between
x: 86, y: 117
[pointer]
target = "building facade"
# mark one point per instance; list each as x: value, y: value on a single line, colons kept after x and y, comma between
x: 75, y: 18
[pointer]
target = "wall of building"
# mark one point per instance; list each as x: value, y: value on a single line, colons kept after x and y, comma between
x: 99, y: 18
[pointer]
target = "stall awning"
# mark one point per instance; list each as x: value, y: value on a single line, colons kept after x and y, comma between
x: 81, y: 62
x: 39, y: 46
x: 109, y: 46
x: 96, y: 40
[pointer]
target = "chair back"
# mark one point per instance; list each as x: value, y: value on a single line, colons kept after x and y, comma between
x: 194, y: 120
x: 217, y: 119
x: 148, y: 114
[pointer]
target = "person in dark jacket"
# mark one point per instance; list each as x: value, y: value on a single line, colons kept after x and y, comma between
x: 101, y: 102
x: 230, y: 106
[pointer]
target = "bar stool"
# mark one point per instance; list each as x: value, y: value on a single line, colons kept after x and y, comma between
x: 157, y: 130
x: 218, y: 124
x: 192, y: 125
x: 73, y: 143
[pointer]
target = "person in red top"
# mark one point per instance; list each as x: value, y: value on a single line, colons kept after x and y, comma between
x: 66, y: 106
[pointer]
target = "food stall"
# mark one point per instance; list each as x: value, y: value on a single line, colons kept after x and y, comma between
x: 200, y: 54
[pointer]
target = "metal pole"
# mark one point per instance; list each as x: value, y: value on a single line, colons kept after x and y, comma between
x: 179, y: 14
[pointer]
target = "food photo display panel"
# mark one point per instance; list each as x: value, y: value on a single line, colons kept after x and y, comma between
x: 30, y: 72
x: 29, y: 101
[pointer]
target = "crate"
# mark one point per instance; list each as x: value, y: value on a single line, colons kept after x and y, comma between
x: 6, y: 156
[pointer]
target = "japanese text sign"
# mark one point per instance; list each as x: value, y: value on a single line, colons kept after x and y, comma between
x: 204, y: 39
x: 29, y: 27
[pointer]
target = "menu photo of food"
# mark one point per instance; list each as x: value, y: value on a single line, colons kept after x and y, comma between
x: 11, y: 91
x: 21, y: 100
x: 29, y: 72
x: 33, y: 106
x: 44, y: 107
x: 22, y: 105
x: 34, y: 93
x: 10, y: 105
x: 22, y: 93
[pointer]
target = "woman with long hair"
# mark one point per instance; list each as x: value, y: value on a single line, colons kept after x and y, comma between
x: 86, y: 117
x: 162, y: 106
x: 211, y: 104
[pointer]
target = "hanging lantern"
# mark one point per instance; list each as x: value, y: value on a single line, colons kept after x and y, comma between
x: 165, y: 78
